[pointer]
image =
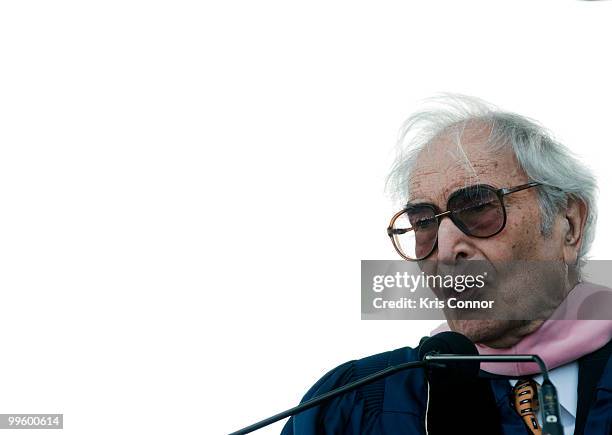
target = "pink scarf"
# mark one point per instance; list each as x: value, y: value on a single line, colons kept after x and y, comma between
x: 561, y: 339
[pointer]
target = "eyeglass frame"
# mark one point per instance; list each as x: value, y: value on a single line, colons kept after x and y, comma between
x: 500, y: 193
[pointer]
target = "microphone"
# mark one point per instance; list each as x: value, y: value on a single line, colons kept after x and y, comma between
x: 450, y: 358
x: 450, y: 342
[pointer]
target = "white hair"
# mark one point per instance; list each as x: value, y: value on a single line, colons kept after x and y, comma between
x: 539, y: 155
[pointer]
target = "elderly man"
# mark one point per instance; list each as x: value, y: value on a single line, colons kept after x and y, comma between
x: 491, y: 186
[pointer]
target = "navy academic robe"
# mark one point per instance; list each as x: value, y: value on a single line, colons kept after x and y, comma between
x: 396, y: 405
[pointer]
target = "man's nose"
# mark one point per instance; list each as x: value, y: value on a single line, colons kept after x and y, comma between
x: 453, y: 244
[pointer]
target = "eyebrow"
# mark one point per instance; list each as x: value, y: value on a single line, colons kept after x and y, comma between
x: 445, y: 194
x: 448, y: 195
x: 418, y: 203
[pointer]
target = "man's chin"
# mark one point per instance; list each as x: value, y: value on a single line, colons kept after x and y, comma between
x: 494, y: 333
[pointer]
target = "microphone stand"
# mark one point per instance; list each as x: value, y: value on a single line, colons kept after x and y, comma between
x: 550, y: 405
x: 331, y: 394
x: 488, y: 358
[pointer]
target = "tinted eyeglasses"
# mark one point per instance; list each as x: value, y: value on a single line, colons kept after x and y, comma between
x: 477, y: 210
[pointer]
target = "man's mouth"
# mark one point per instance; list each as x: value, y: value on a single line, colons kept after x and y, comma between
x: 461, y: 293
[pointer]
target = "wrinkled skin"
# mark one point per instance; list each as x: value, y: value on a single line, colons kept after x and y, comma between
x: 441, y: 169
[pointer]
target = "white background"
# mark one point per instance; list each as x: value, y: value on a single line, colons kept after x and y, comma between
x: 187, y: 188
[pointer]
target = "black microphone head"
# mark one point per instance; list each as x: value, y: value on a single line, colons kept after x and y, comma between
x: 450, y: 342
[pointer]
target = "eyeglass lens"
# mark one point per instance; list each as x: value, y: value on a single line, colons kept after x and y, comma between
x: 476, y: 210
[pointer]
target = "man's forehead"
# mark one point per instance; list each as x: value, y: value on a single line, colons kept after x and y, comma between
x: 443, y: 167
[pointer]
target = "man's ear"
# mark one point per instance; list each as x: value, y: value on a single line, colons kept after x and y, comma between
x: 576, y: 215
